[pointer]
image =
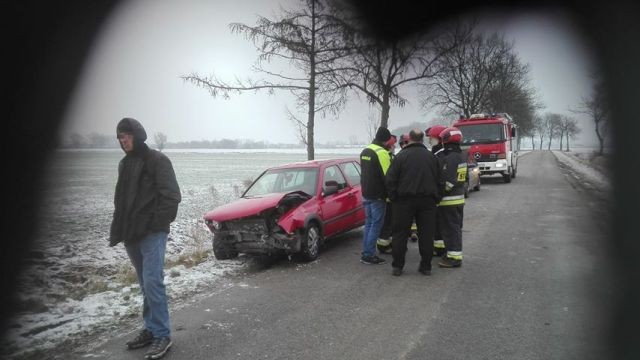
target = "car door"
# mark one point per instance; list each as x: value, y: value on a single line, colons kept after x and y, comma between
x: 351, y: 171
x: 337, y: 209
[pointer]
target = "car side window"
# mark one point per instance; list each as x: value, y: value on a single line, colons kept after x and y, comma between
x: 332, y: 173
x: 351, y: 172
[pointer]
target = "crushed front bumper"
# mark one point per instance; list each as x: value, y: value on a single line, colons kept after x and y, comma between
x: 258, y: 242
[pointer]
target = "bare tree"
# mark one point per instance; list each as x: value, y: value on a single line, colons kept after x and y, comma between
x: 483, y: 74
x: 379, y: 70
x: 596, y: 107
x: 570, y: 129
x: 309, y: 40
x: 160, y: 140
x: 537, y: 129
x: 552, y: 124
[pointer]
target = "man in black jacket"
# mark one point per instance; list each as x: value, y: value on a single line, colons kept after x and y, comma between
x: 146, y: 202
x: 412, y: 182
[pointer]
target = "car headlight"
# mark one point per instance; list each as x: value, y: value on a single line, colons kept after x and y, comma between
x: 212, y: 224
x: 475, y: 170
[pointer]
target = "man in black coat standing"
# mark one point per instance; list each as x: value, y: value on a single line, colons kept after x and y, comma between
x: 412, y: 183
x: 146, y: 202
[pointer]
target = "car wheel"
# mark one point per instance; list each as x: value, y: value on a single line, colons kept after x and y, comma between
x: 466, y: 190
x: 477, y: 187
x: 223, y: 252
x: 310, y: 243
x: 507, y: 176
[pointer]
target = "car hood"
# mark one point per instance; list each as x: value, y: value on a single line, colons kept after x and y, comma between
x: 244, y: 207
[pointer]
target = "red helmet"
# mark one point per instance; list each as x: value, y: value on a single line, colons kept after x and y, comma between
x: 451, y: 135
x: 435, y: 131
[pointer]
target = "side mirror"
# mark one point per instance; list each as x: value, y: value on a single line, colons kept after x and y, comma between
x: 330, y: 187
x: 513, y: 132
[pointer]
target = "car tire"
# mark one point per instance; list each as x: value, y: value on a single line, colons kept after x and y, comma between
x: 477, y: 187
x: 466, y: 190
x: 223, y: 252
x: 507, y: 176
x: 310, y: 243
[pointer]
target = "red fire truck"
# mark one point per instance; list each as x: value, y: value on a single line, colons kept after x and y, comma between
x: 491, y: 140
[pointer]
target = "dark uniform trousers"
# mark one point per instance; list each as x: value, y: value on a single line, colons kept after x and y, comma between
x: 405, y: 210
x: 450, y: 225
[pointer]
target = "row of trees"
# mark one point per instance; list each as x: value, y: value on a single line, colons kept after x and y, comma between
x: 553, y: 126
x: 328, y: 55
x: 160, y: 142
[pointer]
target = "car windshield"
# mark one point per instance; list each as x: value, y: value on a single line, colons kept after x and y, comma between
x: 285, y: 181
x: 481, y: 133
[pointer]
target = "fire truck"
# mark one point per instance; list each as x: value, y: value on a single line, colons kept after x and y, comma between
x: 490, y: 140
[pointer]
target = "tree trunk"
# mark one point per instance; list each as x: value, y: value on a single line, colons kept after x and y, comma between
x: 312, y: 87
x: 533, y: 144
x: 600, y: 138
x: 568, y: 141
x: 561, y: 136
x: 541, y: 139
x: 384, y: 115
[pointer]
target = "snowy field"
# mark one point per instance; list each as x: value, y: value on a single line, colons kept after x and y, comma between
x: 77, y: 285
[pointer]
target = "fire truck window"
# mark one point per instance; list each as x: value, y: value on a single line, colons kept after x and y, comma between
x: 482, y: 133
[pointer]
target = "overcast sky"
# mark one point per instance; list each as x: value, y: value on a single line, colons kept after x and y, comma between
x: 135, y: 67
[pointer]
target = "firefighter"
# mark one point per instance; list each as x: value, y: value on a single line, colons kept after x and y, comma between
x: 454, y: 176
x: 433, y: 138
x: 384, y: 241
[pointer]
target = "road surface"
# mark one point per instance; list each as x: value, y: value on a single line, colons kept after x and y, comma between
x: 532, y: 286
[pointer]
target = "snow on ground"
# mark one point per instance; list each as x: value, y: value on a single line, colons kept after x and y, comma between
x: 74, y: 284
x: 584, y: 170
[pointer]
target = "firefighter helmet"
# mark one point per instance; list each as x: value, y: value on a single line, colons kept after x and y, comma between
x: 451, y: 135
x: 435, y: 131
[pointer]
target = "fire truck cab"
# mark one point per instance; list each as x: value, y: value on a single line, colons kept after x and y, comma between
x: 491, y: 140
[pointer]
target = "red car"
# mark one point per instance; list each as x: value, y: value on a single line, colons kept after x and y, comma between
x: 290, y: 208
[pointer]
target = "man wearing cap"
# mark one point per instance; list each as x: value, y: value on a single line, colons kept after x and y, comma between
x: 383, y: 244
x: 146, y: 202
x: 374, y: 162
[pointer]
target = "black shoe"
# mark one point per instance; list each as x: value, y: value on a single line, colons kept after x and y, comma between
x: 372, y: 260
x: 424, y: 271
x: 159, y: 347
x: 446, y: 262
x: 143, y: 339
x: 396, y: 271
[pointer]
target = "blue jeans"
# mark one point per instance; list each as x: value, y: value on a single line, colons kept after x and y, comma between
x: 374, y: 212
x: 147, y: 257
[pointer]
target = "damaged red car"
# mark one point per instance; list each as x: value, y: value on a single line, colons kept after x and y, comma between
x: 292, y: 209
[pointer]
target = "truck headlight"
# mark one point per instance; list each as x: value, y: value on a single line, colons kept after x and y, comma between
x: 499, y: 164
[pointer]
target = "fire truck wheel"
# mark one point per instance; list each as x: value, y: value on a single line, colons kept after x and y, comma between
x: 507, y: 176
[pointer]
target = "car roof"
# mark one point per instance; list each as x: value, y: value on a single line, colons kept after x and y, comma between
x: 314, y: 163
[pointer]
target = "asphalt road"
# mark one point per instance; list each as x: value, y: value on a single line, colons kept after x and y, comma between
x: 533, y: 286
